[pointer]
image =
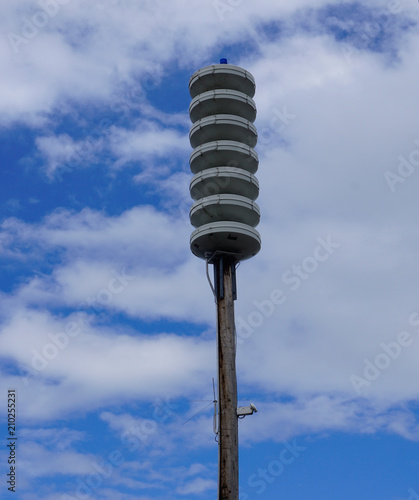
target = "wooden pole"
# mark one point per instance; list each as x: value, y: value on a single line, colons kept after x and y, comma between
x: 228, y: 458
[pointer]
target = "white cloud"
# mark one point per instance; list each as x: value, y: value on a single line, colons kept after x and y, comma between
x: 83, y: 50
x: 70, y: 359
x: 197, y: 486
x: 62, y: 154
x: 142, y: 232
x: 133, y: 262
x: 319, y: 413
x: 147, y: 141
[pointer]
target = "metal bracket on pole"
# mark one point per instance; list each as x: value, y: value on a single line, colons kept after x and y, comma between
x: 221, y: 278
x: 233, y: 278
x: 220, y: 260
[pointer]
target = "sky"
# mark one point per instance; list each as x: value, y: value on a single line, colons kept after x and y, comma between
x: 107, y: 321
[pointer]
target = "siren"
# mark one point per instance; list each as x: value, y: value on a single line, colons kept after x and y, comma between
x: 224, y: 187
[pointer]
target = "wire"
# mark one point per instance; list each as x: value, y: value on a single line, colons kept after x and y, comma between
x: 235, y: 331
x: 215, y: 410
x: 193, y: 416
x: 209, y: 281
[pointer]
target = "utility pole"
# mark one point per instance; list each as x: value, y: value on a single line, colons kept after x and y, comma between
x: 228, y: 439
x: 225, y: 214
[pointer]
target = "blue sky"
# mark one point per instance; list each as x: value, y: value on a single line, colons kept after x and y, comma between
x: 107, y: 322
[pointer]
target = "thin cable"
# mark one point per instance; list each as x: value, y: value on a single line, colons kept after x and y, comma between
x: 209, y: 281
x: 235, y: 330
x: 193, y: 416
x: 215, y: 409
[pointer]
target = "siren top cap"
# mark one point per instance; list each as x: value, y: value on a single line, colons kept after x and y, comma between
x: 222, y: 76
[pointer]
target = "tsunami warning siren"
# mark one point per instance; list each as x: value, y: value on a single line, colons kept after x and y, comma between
x: 224, y: 162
